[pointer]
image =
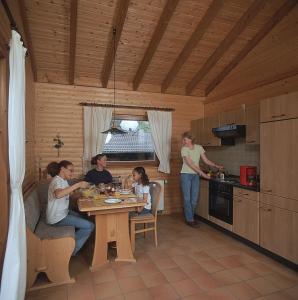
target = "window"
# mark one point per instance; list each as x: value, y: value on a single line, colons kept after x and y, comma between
x: 135, y: 145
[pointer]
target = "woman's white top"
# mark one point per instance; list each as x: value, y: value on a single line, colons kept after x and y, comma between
x: 57, y: 208
x: 140, y: 190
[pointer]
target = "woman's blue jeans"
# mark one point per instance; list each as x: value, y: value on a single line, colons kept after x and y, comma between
x: 82, y: 226
x: 190, y: 184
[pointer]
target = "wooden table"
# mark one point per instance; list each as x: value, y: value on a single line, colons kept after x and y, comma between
x: 112, y: 224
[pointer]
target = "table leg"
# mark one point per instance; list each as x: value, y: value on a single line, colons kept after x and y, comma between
x: 124, y: 252
x: 100, y: 254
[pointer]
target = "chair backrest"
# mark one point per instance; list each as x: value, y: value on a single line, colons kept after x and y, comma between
x: 42, y: 191
x: 32, y: 209
x: 155, y: 189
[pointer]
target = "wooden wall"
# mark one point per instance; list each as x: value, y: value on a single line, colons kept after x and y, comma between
x: 57, y: 111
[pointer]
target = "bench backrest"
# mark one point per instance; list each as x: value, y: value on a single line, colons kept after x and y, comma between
x: 32, y: 209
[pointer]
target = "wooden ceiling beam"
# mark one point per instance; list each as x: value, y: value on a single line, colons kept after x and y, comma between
x: 118, y: 23
x: 246, y: 18
x: 198, y: 33
x: 28, y: 38
x: 72, y: 39
x: 277, y: 17
x: 159, y: 31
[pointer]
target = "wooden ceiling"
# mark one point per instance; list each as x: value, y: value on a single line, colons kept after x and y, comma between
x: 174, y: 46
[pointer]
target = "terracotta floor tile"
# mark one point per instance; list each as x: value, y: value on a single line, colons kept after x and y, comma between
x: 221, y: 294
x: 277, y: 296
x: 243, y: 291
x: 125, y: 271
x: 154, y: 279
x: 138, y: 295
x: 211, y: 265
x: 225, y: 277
x: 107, y: 289
x: 263, y: 285
x: 185, y: 287
x: 80, y: 291
x: 165, y: 263
x: 192, y: 270
x: 163, y: 292
x: 119, y: 297
x: 205, y: 281
x: 293, y: 292
x: 176, y: 250
x: 260, y: 268
x: 200, y: 256
x: 197, y: 296
x: 131, y: 284
x: 146, y: 268
x: 183, y: 260
x: 174, y: 274
x: 104, y: 275
x: 232, y: 261
x: 281, y: 281
x: 244, y: 273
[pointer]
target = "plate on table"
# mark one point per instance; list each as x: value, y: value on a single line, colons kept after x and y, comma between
x: 125, y: 192
x: 112, y: 200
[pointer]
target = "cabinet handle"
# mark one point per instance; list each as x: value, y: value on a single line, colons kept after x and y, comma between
x: 265, y: 209
x: 250, y: 142
x: 267, y: 191
x: 278, y: 116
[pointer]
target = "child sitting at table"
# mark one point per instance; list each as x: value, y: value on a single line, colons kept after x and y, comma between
x: 141, y: 188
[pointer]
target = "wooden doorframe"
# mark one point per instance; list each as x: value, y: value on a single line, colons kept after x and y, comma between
x: 4, y: 170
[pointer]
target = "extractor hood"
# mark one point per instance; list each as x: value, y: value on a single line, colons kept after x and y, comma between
x: 228, y: 133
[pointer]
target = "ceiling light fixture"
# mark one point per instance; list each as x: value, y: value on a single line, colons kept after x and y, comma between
x: 113, y: 129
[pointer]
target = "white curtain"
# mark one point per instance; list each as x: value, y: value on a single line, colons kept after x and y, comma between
x: 161, y: 129
x: 13, y: 284
x: 96, y: 120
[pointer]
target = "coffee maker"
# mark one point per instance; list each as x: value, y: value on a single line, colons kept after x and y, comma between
x: 248, y: 175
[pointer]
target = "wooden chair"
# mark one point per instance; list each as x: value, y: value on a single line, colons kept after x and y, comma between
x: 147, y: 219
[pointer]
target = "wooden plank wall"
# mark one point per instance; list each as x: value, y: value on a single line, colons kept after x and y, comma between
x: 57, y: 111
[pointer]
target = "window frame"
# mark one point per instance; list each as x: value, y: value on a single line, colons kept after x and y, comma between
x: 130, y: 117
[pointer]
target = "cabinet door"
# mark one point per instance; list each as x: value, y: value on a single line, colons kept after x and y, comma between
x: 279, y: 159
x: 203, y: 204
x: 279, y: 108
x: 277, y: 231
x: 197, y: 129
x: 252, y: 121
x: 246, y: 218
x: 232, y: 117
x: 209, y: 138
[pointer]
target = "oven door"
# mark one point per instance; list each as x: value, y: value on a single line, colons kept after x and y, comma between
x: 221, y: 204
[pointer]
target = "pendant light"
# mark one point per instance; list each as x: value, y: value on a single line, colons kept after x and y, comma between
x: 114, y: 129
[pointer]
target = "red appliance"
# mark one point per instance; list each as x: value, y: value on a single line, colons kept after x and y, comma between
x: 248, y: 175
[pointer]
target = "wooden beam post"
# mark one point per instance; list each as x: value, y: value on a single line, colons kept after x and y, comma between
x: 72, y: 39
x: 118, y: 22
x: 159, y: 31
x: 277, y: 17
x: 28, y: 38
x: 192, y: 42
x: 246, y: 18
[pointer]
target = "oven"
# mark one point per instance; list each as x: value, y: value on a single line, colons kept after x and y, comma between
x: 221, y: 201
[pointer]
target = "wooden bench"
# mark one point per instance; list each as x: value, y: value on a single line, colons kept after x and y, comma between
x: 49, y: 248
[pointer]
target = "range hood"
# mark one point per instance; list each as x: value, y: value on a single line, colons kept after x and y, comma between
x: 228, y: 133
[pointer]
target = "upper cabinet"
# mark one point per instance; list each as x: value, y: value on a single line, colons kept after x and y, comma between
x: 197, y: 128
x: 279, y: 108
x: 209, y: 138
x: 236, y: 116
x: 252, y: 122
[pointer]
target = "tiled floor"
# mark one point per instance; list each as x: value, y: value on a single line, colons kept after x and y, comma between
x: 188, y: 264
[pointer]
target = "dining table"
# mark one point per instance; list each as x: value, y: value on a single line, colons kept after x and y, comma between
x: 111, y: 224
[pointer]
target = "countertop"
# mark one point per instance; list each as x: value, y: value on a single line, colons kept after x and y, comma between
x: 235, y: 182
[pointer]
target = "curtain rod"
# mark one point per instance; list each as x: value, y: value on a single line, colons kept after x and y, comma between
x: 13, y: 24
x: 127, y: 106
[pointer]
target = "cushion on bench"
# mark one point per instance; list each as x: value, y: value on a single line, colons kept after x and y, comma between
x: 45, y: 231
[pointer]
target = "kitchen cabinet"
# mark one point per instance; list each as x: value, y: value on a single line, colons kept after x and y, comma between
x: 279, y: 108
x: 278, y: 229
x: 209, y: 138
x: 197, y: 128
x: 246, y: 214
x: 252, y: 122
x: 279, y: 159
x: 203, y: 203
x: 236, y: 116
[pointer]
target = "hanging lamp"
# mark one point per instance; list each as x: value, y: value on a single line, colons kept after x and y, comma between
x: 113, y: 129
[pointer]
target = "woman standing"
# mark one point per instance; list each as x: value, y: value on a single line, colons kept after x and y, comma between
x: 99, y: 174
x: 189, y: 177
x: 58, y: 213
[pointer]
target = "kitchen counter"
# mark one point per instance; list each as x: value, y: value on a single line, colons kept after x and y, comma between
x: 234, y: 181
